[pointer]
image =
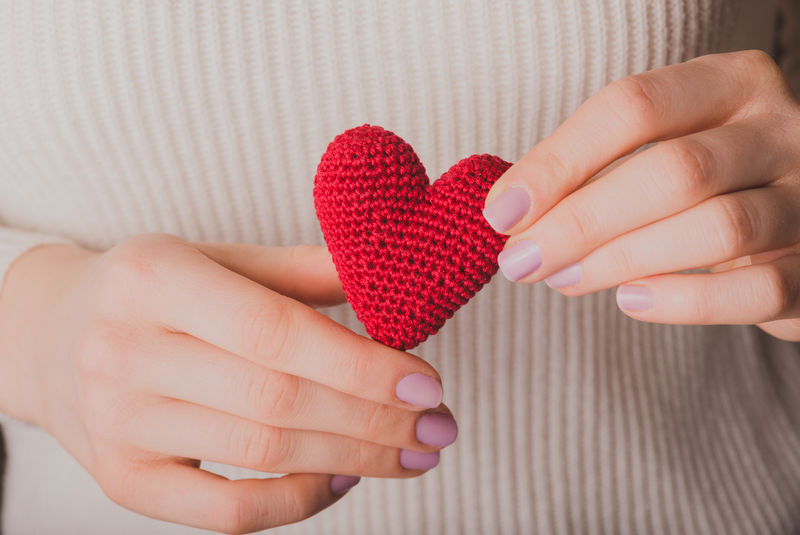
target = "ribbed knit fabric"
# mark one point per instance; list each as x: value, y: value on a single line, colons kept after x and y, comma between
x: 207, y: 119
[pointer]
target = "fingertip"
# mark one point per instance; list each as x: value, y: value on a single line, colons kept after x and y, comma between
x: 503, y: 182
x: 419, y: 460
x: 340, y: 484
x: 634, y: 298
x: 420, y: 390
x: 438, y: 429
x: 506, y: 209
x: 496, y: 188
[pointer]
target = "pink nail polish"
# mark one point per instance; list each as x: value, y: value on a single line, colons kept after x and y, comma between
x: 505, y: 210
x: 436, y: 429
x: 634, y: 298
x: 568, y: 276
x: 420, y: 390
x: 519, y: 260
x: 341, y: 484
x: 418, y: 460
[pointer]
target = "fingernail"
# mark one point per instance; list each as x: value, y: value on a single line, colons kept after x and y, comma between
x: 341, y: 484
x: 436, y: 429
x: 420, y: 390
x: 418, y: 460
x: 505, y: 210
x: 634, y: 298
x: 519, y: 260
x: 566, y: 277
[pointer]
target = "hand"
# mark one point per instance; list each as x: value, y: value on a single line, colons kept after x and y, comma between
x: 145, y: 359
x: 721, y: 188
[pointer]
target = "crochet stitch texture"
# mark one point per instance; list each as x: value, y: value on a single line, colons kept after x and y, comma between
x: 408, y: 253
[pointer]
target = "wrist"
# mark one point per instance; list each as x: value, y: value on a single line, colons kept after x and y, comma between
x: 32, y: 295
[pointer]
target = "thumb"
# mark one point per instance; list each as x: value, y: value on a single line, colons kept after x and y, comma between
x: 302, y: 272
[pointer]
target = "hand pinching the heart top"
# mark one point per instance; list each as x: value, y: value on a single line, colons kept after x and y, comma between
x: 721, y: 188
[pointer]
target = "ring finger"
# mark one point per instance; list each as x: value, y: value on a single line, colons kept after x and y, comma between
x: 188, y: 430
x: 719, y: 229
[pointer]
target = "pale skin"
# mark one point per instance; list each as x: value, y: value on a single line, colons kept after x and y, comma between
x: 145, y: 358
x: 719, y: 189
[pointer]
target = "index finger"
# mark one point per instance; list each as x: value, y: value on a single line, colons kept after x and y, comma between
x: 620, y: 118
x: 232, y: 312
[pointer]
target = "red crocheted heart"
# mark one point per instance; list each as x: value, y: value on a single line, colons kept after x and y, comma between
x: 408, y: 253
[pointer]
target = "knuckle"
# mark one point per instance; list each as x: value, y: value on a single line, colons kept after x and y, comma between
x: 235, y: 513
x: 582, y: 224
x: 376, y: 421
x: 769, y: 79
x: 117, y: 481
x: 277, y: 395
x: 733, y: 227
x: 702, y: 307
x: 551, y: 164
x: 758, y: 61
x: 269, y: 331
x: 298, y: 504
x: 624, y: 264
x: 104, y: 350
x: 259, y: 446
x: 137, y: 260
x: 361, y: 457
x: 350, y: 375
x: 634, y: 101
x: 775, y: 291
x: 688, y: 167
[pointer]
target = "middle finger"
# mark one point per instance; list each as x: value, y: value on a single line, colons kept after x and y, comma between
x: 719, y: 229
x: 183, y: 367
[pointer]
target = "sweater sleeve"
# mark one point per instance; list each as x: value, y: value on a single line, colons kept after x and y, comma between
x: 789, y: 42
x: 14, y: 242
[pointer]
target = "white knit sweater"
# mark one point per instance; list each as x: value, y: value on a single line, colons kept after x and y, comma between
x: 207, y: 119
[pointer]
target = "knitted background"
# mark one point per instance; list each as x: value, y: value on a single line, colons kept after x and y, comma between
x: 408, y: 253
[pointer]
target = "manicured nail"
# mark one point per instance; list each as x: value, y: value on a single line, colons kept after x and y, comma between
x: 519, y: 260
x: 418, y: 460
x: 566, y: 277
x: 505, y: 210
x: 436, y: 429
x: 420, y: 390
x: 341, y: 484
x: 634, y: 298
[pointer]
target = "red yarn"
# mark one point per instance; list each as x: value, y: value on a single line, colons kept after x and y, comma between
x: 408, y: 253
